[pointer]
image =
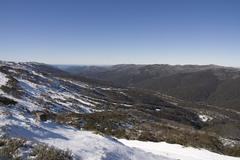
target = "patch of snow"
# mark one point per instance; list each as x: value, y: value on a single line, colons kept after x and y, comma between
x: 38, y: 74
x: 23, y: 103
x: 113, y: 89
x: 106, y: 89
x: 176, y: 151
x: 205, y: 118
x: 29, y: 105
x: 126, y: 105
x: 80, y: 84
x: 86, y: 109
x: 85, y: 102
x: 32, y: 88
x: 12, y: 71
x: 3, y: 79
x: 60, y: 95
x: 56, y: 96
x: 228, y: 142
x: 94, y: 100
x: 91, y: 101
x: 68, y: 104
x: 123, y: 93
x: 29, y: 87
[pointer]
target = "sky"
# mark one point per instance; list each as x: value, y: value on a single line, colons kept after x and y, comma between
x: 104, y: 32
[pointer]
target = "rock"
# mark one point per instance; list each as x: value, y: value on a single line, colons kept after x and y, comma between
x: 41, y: 116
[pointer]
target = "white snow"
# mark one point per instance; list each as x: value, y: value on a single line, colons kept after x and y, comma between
x: 12, y: 71
x: 106, y: 89
x: 176, y: 151
x: 3, y: 79
x: 92, y: 100
x: 68, y: 104
x: 29, y: 87
x: 86, y: 109
x: 123, y: 93
x: 83, y: 144
x: 228, y: 142
x: 80, y: 84
x: 205, y: 118
x: 85, y: 102
x: 90, y: 146
x: 59, y: 94
x: 38, y: 74
x: 55, y: 96
x: 126, y: 105
x: 23, y: 103
x: 64, y: 96
x: 35, y: 90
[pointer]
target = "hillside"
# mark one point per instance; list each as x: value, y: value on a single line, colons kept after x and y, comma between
x: 42, y: 105
x: 209, y: 84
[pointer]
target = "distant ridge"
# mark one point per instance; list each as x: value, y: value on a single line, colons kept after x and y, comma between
x: 210, y: 84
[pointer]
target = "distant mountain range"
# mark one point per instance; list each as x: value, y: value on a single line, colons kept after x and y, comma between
x: 208, y: 84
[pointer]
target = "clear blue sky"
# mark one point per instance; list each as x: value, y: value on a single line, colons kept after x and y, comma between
x: 121, y: 31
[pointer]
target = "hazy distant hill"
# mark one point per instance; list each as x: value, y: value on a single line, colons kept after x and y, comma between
x: 211, y: 84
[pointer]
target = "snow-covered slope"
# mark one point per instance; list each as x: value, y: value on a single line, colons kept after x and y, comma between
x: 39, y: 92
x: 25, y: 90
x: 176, y: 151
x: 90, y: 146
x: 83, y: 144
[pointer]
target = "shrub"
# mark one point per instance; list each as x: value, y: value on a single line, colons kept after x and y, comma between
x: 7, y: 101
x: 9, y: 148
x: 41, y: 152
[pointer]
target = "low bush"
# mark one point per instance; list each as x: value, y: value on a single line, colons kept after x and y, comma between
x: 7, y: 101
x: 43, y: 152
x: 9, y: 148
